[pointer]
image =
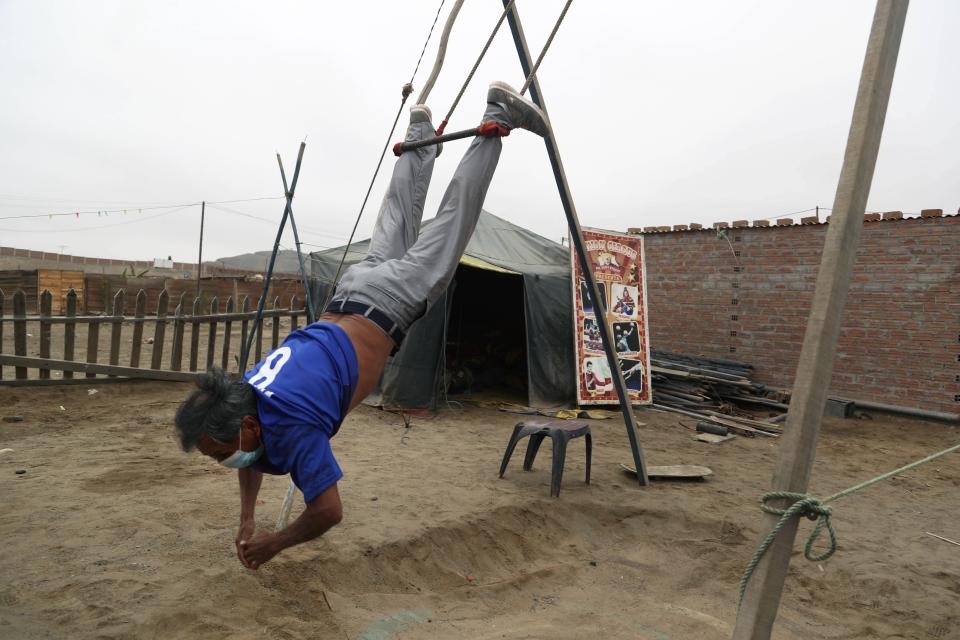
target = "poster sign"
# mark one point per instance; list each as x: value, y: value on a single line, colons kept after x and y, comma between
x: 618, y: 265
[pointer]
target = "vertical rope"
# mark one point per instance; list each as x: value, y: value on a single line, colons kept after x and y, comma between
x: 407, y: 90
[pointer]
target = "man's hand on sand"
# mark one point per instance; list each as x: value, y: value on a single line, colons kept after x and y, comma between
x: 245, y: 532
x: 258, y: 550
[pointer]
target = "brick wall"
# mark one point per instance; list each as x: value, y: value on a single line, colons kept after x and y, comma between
x: 900, y: 341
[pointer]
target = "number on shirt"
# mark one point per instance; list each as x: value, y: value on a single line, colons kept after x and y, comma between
x: 269, y: 370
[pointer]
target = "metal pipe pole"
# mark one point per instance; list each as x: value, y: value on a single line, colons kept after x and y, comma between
x: 203, y: 210
x: 311, y: 316
x: 576, y: 236
x: 798, y: 445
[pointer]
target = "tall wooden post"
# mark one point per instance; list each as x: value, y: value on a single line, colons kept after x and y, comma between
x: 799, y: 442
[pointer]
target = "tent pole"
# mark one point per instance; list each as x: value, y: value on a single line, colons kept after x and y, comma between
x: 799, y: 442
x: 576, y: 236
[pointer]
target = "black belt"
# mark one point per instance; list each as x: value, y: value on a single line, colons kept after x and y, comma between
x: 378, y: 317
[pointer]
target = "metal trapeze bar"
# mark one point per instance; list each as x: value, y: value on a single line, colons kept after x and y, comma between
x: 576, y: 237
x: 400, y: 147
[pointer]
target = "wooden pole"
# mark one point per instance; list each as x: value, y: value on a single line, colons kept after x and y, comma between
x: 799, y: 442
x: 203, y: 211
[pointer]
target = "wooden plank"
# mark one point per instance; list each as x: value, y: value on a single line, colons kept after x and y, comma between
x: 275, y: 333
x: 159, y: 330
x: 244, y: 325
x: 227, y: 329
x: 46, y: 306
x: 2, y: 298
x: 195, y: 335
x: 69, y: 330
x: 797, y: 450
x: 116, y: 327
x: 91, y: 369
x: 139, y: 311
x: 294, y: 320
x: 93, y: 344
x: 20, y: 330
x: 176, y: 343
x: 212, y: 334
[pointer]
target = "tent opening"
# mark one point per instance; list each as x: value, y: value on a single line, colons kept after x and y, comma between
x: 486, y: 351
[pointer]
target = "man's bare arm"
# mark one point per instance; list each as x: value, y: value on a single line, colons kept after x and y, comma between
x: 250, y: 480
x: 322, y: 513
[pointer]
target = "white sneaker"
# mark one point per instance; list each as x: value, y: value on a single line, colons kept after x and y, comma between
x: 523, y: 113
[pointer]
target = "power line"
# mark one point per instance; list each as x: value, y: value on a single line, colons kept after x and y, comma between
x: 100, y: 226
x: 132, y: 208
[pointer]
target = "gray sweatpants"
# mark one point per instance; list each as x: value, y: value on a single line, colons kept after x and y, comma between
x: 404, y: 271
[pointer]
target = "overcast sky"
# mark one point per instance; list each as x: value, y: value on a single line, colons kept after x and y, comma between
x: 664, y: 112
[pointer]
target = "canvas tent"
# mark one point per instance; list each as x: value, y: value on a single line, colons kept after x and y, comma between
x: 503, y: 325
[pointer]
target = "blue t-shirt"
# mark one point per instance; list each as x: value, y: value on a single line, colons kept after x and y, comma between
x: 304, y: 388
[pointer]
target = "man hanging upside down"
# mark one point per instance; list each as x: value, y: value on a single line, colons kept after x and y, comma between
x: 281, y: 417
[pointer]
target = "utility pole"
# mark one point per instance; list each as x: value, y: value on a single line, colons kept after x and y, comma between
x: 203, y: 209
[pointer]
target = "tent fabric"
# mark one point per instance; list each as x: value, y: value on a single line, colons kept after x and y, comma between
x: 414, y: 377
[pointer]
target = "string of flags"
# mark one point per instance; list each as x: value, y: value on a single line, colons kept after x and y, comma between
x: 105, y: 213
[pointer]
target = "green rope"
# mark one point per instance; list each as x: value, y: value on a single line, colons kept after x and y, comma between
x: 815, y: 509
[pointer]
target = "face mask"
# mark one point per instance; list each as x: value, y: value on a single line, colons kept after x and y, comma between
x: 240, y: 459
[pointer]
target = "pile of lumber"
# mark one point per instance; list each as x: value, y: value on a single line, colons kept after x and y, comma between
x: 715, y: 391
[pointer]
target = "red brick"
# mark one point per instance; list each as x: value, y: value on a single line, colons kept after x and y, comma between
x: 893, y: 215
x: 680, y: 227
x: 931, y: 213
x: 784, y: 222
x: 868, y: 217
x: 721, y: 225
x: 741, y: 223
x: 696, y: 225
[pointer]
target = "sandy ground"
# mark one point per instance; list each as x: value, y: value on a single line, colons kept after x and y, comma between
x: 112, y: 532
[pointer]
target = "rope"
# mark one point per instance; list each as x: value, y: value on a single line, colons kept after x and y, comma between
x: 422, y: 51
x: 406, y: 91
x: 815, y: 509
x: 441, y: 52
x: 476, y: 65
x: 553, y: 33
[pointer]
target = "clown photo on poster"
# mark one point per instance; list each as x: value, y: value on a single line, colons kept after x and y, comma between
x: 619, y: 268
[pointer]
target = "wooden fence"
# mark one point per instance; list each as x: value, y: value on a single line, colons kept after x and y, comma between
x: 163, y: 359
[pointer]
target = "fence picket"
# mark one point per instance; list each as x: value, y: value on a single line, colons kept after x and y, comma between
x: 1, y: 330
x: 93, y: 345
x: 176, y: 344
x: 20, y: 330
x: 275, y: 336
x: 163, y: 303
x: 294, y: 321
x: 244, y: 327
x: 116, y: 327
x: 70, y: 331
x: 195, y: 335
x: 46, y: 310
x: 259, y: 339
x: 139, y: 312
x: 212, y: 333
x: 227, y: 328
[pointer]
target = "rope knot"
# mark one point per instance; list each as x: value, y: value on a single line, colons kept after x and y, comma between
x: 803, y: 505
x: 407, y: 90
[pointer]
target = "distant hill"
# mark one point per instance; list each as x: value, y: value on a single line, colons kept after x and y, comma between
x: 257, y: 261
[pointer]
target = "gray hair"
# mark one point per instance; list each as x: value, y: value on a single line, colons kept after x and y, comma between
x: 215, y: 408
